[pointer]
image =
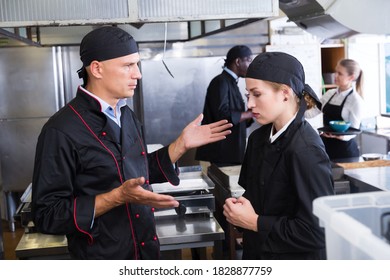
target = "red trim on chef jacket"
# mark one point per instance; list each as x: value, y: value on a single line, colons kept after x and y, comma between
x: 119, y: 173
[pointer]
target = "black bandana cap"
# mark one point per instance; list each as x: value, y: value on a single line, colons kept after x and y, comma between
x: 281, y: 68
x: 105, y: 43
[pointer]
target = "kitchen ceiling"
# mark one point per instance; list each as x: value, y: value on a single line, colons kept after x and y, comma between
x: 65, y: 22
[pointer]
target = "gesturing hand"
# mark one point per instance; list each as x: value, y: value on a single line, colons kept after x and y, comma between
x: 133, y: 192
x: 196, y: 135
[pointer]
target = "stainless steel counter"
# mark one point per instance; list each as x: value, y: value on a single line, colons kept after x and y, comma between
x: 188, y: 232
x: 370, y: 178
x: 226, y: 186
x: 42, y: 246
x: 195, y: 228
x: 174, y: 233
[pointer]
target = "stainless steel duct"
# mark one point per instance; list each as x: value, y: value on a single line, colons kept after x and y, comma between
x: 68, y: 19
x: 329, y: 19
x: 22, y: 13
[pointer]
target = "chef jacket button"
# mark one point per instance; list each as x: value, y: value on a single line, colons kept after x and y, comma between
x: 143, y: 153
x: 142, y: 243
x: 137, y: 215
x: 104, y: 133
x: 153, y: 209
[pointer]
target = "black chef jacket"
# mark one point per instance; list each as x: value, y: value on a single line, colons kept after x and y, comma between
x: 281, y: 179
x: 81, y: 153
x: 224, y: 101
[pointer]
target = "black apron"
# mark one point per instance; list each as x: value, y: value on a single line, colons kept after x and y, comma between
x: 336, y: 148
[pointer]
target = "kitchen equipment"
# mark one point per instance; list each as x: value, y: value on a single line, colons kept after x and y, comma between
x: 341, y: 184
x: 227, y: 179
x: 23, y: 212
x: 349, y: 131
x: 194, y: 194
x: 191, y: 225
x: 226, y: 185
x: 385, y: 226
x: 372, y: 156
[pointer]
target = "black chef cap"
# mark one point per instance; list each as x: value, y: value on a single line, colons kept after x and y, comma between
x: 281, y: 68
x: 239, y: 51
x: 105, y: 43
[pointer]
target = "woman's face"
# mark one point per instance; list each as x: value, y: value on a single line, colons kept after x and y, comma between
x: 342, y: 78
x: 267, y: 103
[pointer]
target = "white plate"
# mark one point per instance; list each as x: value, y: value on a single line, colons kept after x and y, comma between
x: 372, y: 156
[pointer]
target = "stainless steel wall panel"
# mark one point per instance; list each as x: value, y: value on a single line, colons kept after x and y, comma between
x: 168, y: 104
x: 27, y: 83
x: 171, y: 103
x: 18, y: 139
x: 71, y: 63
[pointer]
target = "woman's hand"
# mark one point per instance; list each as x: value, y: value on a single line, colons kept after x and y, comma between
x: 330, y: 135
x: 240, y: 212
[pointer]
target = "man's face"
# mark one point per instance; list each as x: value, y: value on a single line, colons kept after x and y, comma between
x: 243, y: 64
x: 120, y: 76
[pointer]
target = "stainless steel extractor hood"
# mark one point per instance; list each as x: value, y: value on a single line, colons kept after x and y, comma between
x: 329, y: 19
x: 84, y: 12
x: 199, y: 18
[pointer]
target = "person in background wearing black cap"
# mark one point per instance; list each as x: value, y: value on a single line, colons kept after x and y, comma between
x: 92, y: 172
x: 285, y: 166
x: 224, y: 101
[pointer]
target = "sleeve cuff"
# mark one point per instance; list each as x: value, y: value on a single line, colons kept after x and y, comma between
x: 265, y: 223
x: 169, y: 170
x: 84, y: 211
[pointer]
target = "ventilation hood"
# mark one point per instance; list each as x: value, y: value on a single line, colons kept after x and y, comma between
x: 198, y: 18
x: 79, y: 12
x: 330, y: 19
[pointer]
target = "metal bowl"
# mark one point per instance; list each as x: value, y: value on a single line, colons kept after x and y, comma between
x: 372, y: 156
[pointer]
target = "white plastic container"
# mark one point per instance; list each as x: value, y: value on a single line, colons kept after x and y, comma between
x: 354, y: 224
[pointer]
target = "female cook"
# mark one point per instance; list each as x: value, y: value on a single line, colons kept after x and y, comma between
x: 285, y: 166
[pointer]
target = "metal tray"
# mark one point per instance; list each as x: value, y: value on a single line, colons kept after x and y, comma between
x: 350, y: 131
